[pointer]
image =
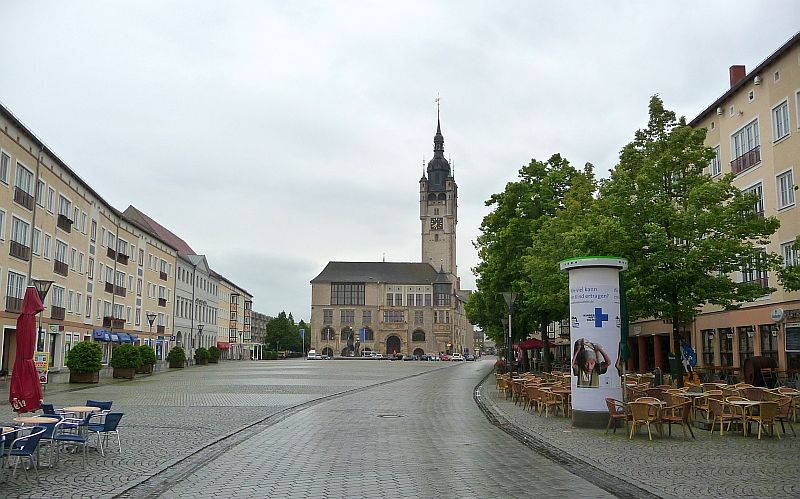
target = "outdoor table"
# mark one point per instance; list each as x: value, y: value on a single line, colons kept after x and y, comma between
x: 8, y: 429
x: 745, y: 405
x: 34, y: 420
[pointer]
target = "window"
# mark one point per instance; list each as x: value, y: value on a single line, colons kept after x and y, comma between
x: 51, y: 199
x: 780, y: 121
x: 16, y: 285
x: 122, y: 247
x: 428, y: 300
x: 130, y: 284
x: 78, y: 302
x: 745, y: 334
x: 716, y: 162
x: 768, y: 334
x: 791, y: 257
x: 24, y: 180
x: 119, y: 279
x: 40, y: 193
x: 389, y: 299
x: 441, y: 317
x: 73, y: 257
x: 19, y: 231
x: 344, y: 293
x: 57, y: 296
x: 752, y: 272
x: 47, y: 241
x: 348, y: 316
x: 93, y: 231
x: 80, y: 262
x: 785, y: 189
x: 327, y: 316
x: 327, y: 334
x: 751, y: 95
x: 109, y: 275
x: 419, y: 301
x: 139, y: 286
x: 88, y: 306
x: 5, y: 159
x: 64, y: 206
x: 366, y: 317
x: 61, y: 251
x: 398, y: 299
x: 369, y: 334
x: 2, y: 224
x: 83, y: 222
x: 418, y: 335
x: 35, y: 247
x: 419, y: 316
x: 745, y: 147
x: 759, y: 192
x: 70, y: 297
x: 726, y: 346
x: 90, y: 268
x: 393, y: 316
x: 111, y: 240
x: 76, y: 213
x: 708, y: 346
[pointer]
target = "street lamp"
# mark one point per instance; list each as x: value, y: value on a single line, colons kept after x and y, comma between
x: 42, y: 288
x: 200, y: 333
x: 509, y: 297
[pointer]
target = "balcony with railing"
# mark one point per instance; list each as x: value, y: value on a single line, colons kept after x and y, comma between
x: 113, y: 322
x: 19, y: 250
x: 122, y: 258
x: 163, y: 276
x: 120, y: 291
x: 109, y: 287
x: 57, y: 313
x: 13, y: 305
x: 162, y: 302
x: 161, y: 329
x: 22, y: 198
x: 111, y: 253
x: 60, y: 268
x: 64, y: 223
x: 746, y: 161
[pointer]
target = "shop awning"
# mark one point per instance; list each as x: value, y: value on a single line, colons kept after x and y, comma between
x: 133, y: 337
x: 124, y: 338
x: 101, y: 335
x: 223, y: 345
x: 531, y: 343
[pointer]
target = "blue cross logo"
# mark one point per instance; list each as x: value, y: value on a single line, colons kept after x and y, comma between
x: 599, y: 317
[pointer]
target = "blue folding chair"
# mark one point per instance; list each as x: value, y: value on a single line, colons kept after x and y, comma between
x: 73, y: 432
x: 25, y: 446
x: 104, y: 406
x: 107, y: 427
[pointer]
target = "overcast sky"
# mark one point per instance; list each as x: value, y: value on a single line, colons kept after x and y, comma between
x: 277, y: 136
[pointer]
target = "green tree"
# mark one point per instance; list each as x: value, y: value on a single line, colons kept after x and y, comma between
x: 282, y: 332
x: 684, y: 234
x: 507, y: 235
x: 302, y: 325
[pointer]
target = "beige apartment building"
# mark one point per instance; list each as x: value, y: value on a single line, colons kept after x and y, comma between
x: 58, y: 228
x: 235, y: 309
x: 399, y: 307
x: 754, y: 127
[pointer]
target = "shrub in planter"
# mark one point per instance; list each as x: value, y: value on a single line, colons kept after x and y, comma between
x: 176, y: 357
x: 148, y: 359
x: 270, y: 355
x: 214, y: 354
x: 201, y: 356
x: 125, y: 359
x: 84, y: 362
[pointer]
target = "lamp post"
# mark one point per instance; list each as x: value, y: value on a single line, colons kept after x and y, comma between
x: 151, y: 317
x: 42, y: 288
x: 509, y: 297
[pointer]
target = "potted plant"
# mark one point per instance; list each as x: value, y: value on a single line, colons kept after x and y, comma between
x: 84, y: 362
x: 125, y: 359
x: 215, y: 354
x: 176, y: 357
x: 148, y: 359
x: 201, y: 356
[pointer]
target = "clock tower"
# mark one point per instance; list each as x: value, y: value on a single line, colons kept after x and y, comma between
x: 438, y: 203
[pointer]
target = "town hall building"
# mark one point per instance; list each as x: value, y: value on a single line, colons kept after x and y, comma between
x: 399, y: 308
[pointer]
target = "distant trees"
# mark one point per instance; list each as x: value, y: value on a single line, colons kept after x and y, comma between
x: 283, y: 333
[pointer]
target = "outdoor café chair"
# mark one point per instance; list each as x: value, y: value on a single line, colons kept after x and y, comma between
x: 642, y: 414
x: 108, y: 427
x: 50, y: 410
x: 25, y: 446
x: 550, y: 399
x: 678, y: 413
x: 721, y: 412
x: 784, y: 413
x: 752, y: 393
x: 104, y: 406
x: 616, y: 412
x: 766, y: 416
x: 78, y: 437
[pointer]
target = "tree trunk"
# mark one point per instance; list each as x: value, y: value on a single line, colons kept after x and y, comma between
x: 545, y: 346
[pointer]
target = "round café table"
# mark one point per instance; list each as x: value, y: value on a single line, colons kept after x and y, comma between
x: 34, y: 420
x: 81, y: 410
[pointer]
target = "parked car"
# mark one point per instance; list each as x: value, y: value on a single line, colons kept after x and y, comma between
x: 444, y: 356
x: 325, y: 357
x: 312, y: 355
x: 469, y: 357
x: 410, y: 357
x: 378, y: 355
x: 457, y: 357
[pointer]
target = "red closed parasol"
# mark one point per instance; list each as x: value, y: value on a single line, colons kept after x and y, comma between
x: 26, y: 392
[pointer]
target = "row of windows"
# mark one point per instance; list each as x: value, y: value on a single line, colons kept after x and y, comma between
x: 329, y: 334
x: 784, y: 184
x: 347, y: 294
x: 203, y: 313
x: 767, y: 336
x: 184, y: 275
x: 347, y: 316
x: 412, y: 300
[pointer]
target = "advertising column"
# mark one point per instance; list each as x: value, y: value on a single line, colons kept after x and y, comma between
x: 594, y: 306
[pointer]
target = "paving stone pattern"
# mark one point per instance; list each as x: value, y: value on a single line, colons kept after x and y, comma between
x: 710, y: 466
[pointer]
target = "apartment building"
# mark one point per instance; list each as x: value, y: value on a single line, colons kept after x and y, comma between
x: 54, y: 226
x: 235, y: 308
x: 754, y: 127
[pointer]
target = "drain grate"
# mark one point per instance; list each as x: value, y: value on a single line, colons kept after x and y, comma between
x: 390, y: 416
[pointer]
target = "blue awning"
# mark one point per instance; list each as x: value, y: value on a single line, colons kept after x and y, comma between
x: 101, y: 335
x: 124, y: 338
x: 133, y: 337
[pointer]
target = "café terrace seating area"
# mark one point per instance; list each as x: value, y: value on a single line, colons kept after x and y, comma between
x: 718, y: 407
x: 56, y: 437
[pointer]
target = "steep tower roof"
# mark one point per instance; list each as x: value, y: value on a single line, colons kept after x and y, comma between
x: 438, y: 167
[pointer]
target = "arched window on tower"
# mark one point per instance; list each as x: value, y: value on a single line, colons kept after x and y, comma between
x: 418, y: 335
x: 327, y: 333
x: 442, y: 196
x: 431, y: 197
x: 369, y: 334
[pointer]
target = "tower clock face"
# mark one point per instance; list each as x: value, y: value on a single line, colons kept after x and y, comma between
x: 437, y: 224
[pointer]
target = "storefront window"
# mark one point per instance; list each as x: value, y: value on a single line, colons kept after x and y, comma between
x: 725, y: 346
x: 745, y: 334
x: 708, y: 347
x: 768, y: 333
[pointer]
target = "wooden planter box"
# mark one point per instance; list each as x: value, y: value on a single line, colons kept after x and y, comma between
x: 75, y: 377
x: 145, y: 369
x: 203, y: 362
x: 124, y: 372
x: 176, y: 365
x: 213, y: 361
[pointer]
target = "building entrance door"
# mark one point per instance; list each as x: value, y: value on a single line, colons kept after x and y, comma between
x: 392, y: 345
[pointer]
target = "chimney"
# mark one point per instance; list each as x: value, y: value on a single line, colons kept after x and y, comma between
x: 737, y: 73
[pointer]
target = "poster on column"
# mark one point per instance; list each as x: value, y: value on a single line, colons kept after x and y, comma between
x: 594, y: 336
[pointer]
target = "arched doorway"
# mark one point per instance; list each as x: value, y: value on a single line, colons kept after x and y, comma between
x: 393, y: 345
x: 327, y: 351
x: 179, y: 339
x: 419, y: 352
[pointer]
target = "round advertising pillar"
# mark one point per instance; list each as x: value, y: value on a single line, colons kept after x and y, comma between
x: 594, y: 309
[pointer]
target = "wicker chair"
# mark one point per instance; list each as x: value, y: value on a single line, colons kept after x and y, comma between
x: 721, y: 412
x: 678, y: 413
x: 616, y: 412
x: 642, y: 414
x: 766, y: 416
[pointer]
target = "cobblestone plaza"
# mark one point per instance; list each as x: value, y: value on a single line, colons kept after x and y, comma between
x: 381, y: 429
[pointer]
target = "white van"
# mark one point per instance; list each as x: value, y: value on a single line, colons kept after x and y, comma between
x: 312, y: 355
